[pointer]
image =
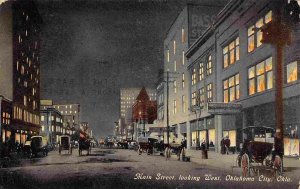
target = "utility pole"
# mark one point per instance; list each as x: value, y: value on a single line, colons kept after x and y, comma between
x: 278, y: 33
x: 168, y: 126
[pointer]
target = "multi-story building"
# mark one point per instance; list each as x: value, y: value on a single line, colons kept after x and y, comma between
x: 51, y: 122
x: 70, y: 112
x: 127, y: 99
x: 20, y: 66
x: 191, y: 23
x: 160, y: 98
x: 6, y: 113
x: 233, y: 77
x: 144, y: 112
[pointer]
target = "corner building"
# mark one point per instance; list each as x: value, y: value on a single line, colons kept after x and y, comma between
x: 190, y: 24
x: 20, y: 66
x: 239, y: 91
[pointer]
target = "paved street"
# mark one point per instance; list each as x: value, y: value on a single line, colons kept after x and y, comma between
x: 115, y: 168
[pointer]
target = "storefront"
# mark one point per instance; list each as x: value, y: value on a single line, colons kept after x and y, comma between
x: 291, y: 139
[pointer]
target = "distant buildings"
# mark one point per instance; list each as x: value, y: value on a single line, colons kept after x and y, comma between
x: 127, y: 99
x: 51, y: 122
x: 70, y: 112
x: 20, y: 69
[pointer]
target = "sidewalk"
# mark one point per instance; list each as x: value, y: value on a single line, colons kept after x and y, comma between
x: 228, y: 162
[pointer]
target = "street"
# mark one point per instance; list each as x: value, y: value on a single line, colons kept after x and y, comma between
x: 120, y: 168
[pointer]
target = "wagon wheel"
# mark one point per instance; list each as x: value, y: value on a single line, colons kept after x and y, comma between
x: 278, y: 166
x: 245, y: 163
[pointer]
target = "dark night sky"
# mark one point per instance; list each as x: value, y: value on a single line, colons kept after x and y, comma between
x: 91, y: 49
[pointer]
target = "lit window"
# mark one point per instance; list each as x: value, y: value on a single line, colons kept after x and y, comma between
x: 255, y: 33
x: 183, y: 58
x: 17, y: 65
x: 208, y: 66
x: 260, y: 77
x: 292, y: 72
x: 201, y: 71
x: 209, y: 92
x: 194, y: 79
x: 231, y: 52
x: 183, y: 38
x: 183, y: 103
x: 231, y: 88
x: 174, y: 45
x: 25, y: 101
x: 42, y: 118
x: 168, y: 55
x: 194, y: 98
x: 174, y: 107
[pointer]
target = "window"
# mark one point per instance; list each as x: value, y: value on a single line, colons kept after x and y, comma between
x: 183, y: 104
x: 231, y: 52
x: 174, y: 107
x: 52, y: 118
x: 208, y: 66
x: 201, y: 71
x: 209, y: 92
x: 292, y: 72
x: 231, y: 88
x: 174, y: 46
x: 201, y: 97
x: 193, y: 98
x: 183, y: 38
x: 254, y: 32
x: 168, y: 55
x: 25, y: 100
x: 260, y: 77
x: 43, y: 128
x: 182, y: 80
x: 194, y: 77
x: 42, y: 118
x: 22, y: 70
x: 175, y: 66
x: 183, y: 58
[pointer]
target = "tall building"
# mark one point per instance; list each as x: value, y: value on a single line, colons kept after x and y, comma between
x: 51, y: 122
x: 20, y: 66
x: 127, y: 99
x: 70, y: 112
x: 190, y: 24
x: 237, y: 87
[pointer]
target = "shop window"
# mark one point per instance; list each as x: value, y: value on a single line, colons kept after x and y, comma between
x: 211, y: 137
x: 260, y: 77
x: 255, y: 33
x: 231, y: 88
x: 231, y: 52
x: 292, y: 72
x: 232, y: 137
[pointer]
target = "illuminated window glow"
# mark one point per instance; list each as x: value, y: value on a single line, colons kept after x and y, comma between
x: 231, y: 52
x: 231, y: 88
x: 292, y: 72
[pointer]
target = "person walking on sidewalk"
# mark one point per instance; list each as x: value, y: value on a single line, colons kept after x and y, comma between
x: 227, y: 144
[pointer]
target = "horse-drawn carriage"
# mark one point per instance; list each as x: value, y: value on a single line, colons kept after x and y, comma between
x: 84, y: 143
x: 150, y: 146
x: 65, y: 144
x: 257, y: 152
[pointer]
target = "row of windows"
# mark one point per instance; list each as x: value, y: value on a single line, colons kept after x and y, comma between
x: 201, y: 73
x: 183, y: 102
x: 5, y: 118
x: 26, y: 116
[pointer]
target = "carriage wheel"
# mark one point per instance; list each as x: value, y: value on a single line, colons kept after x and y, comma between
x: 278, y: 166
x: 245, y: 163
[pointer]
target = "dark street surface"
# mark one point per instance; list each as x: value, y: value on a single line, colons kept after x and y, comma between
x: 113, y: 168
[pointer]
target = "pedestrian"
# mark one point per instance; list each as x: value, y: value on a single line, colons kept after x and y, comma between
x: 203, y: 145
x: 227, y: 144
x: 223, y: 146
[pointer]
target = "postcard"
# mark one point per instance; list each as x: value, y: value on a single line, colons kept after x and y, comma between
x: 175, y: 94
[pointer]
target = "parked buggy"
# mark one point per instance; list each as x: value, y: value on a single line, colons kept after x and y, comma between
x: 257, y: 153
x: 38, y: 145
x: 65, y: 144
